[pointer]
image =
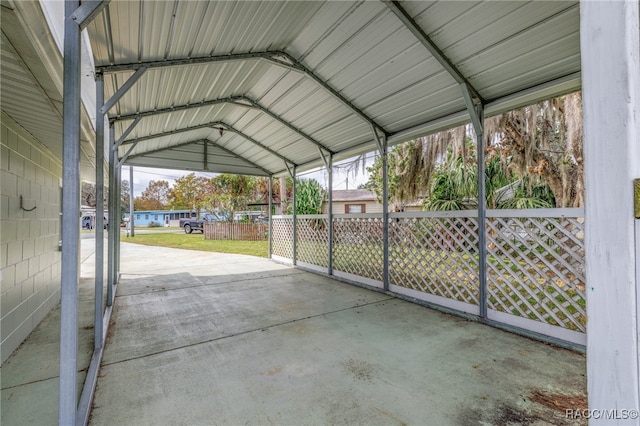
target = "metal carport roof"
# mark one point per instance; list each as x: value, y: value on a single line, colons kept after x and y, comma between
x: 261, y: 84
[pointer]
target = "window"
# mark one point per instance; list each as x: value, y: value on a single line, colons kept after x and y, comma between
x: 138, y: 216
x: 355, y: 208
x: 155, y: 217
x: 146, y: 217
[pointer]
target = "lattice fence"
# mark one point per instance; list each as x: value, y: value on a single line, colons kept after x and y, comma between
x: 313, y: 240
x: 435, y: 255
x: 358, y: 246
x: 282, y: 239
x: 535, y: 267
x: 535, y: 260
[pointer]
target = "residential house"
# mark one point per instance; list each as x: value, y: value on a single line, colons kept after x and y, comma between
x: 352, y: 201
x: 160, y: 217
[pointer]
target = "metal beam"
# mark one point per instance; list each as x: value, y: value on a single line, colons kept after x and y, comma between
x: 167, y: 148
x: 290, y: 62
x: 235, y: 100
x: 131, y: 202
x: 241, y: 101
x: 110, y: 228
x: 228, y: 151
x: 205, y: 155
x: 222, y: 148
x: 126, y: 133
x: 269, y: 215
x: 288, y: 170
x: 382, y: 144
x: 426, y: 41
x: 185, y: 61
x: 88, y: 11
x: 99, y: 230
x: 280, y: 58
x: 330, y: 219
x: 324, y: 158
x: 295, y: 218
x: 211, y: 125
x: 116, y: 224
x: 255, y: 142
x: 214, y: 125
x: 256, y: 105
x: 123, y: 90
x: 126, y: 155
x: 67, y: 403
x: 476, y: 111
x: 478, y: 125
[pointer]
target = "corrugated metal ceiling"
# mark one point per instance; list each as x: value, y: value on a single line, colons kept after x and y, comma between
x: 360, y: 50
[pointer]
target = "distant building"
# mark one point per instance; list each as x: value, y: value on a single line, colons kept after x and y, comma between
x: 159, y: 217
x: 352, y: 201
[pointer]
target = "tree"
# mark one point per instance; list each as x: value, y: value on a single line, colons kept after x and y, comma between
x: 125, y: 195
x: 88, y: 194
x: 309, y: 197
x: 454, y: 186
x: 154, y: 197
x: 540, y: 146
x: 232, y: 193
x: 545, y: 139
x: 189, y: 193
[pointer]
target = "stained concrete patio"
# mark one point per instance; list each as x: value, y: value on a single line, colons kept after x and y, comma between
x: 206, y: 338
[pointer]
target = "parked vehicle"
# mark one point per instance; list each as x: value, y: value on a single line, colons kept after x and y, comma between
x: 247, y: 216
x: 190, y: 225
x: 89, y: 222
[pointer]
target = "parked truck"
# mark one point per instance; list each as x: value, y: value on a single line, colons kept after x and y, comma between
x: 190, y: 225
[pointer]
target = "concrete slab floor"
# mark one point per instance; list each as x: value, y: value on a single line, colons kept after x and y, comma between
x: 206, y: 338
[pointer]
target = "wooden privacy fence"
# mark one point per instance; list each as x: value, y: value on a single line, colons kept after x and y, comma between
x: 236, y: 231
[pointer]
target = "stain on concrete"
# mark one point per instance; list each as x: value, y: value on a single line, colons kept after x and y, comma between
x: 359, y: 369
x: 272, y: 372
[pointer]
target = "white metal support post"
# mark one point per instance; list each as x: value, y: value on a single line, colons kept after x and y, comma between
x: 295, y: 218
x: 270, y: 216
x: 476, y: 111
x: 99, y: 254
x: 116, y: 224
x: 330, y: 211
x: 70, y: 229
x: 382, y: 147
x: 131, y: 230
x: 610, y: 55
x: 110, y: 228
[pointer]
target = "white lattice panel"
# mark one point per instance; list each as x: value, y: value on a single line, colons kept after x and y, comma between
x: 282, y: 239
x: 436, y: 255
x: 535, y: 269
x: 358, y: 246
x: 313, y: 241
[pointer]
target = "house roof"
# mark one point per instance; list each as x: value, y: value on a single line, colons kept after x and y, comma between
x: 354, y: 195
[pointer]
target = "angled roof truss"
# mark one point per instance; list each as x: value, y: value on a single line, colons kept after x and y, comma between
x: 330, y: 76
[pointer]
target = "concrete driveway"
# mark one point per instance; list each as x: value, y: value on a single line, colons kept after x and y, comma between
x: 206, y: 338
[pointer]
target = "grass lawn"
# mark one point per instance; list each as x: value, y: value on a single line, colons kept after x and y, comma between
x: 197, y: 242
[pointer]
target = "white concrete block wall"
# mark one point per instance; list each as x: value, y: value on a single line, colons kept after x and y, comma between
x: 29, y: 256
